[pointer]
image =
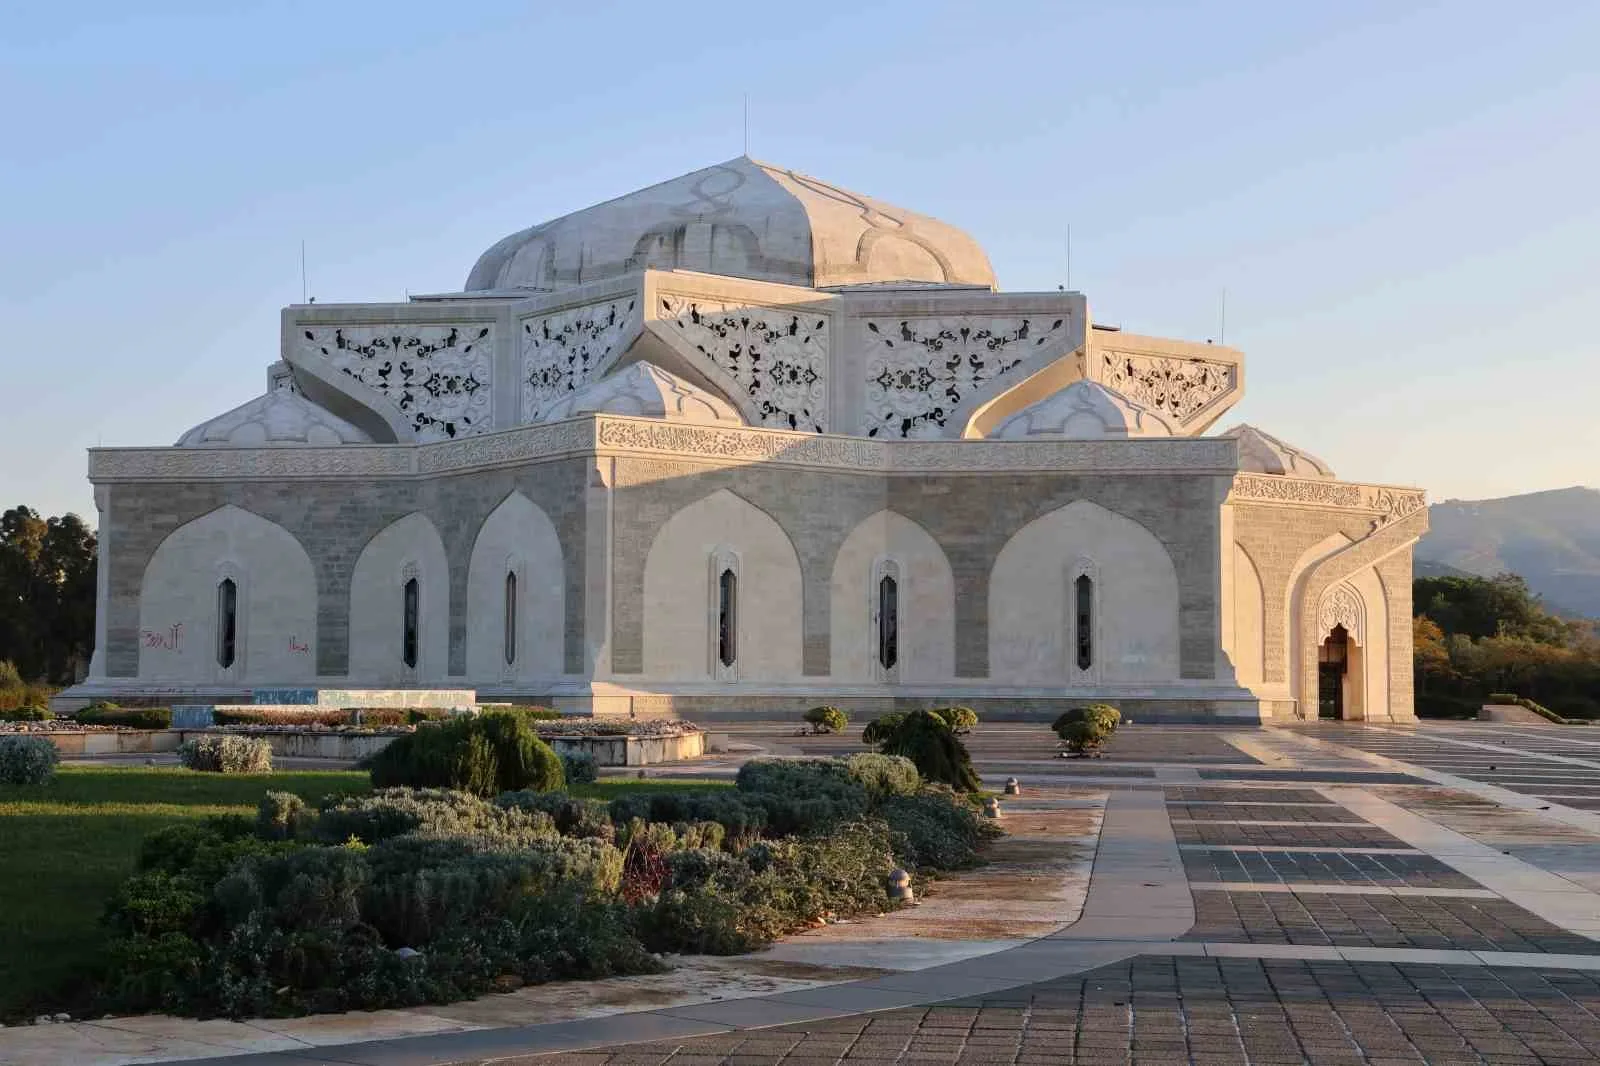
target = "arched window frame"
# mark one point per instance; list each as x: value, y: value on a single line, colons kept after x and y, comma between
x: 513, y: 630
x: 723, y: 560
x: 885, y: 567
x: 1084, y: 568
x: 228, y: 570
x: 412, y: 619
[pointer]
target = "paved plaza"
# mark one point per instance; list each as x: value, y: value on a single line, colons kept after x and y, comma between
x: 1324, y: 894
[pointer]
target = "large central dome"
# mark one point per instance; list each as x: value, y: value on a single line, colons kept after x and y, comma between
x: 742, y: 219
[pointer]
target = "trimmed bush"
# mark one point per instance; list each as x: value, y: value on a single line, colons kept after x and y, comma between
x: 742, y: 817
x: 26, y: 714
x: 573, y: 817
x: 227, y: 754
x: 282, y: 816
x: 880, y: 729
x: 485, y: 754
x: 935, y: 829
x: 310, y: 716
x: 579, y: 768
x: 959, y: 719
x: 826, y: 719
x: 27, y: 760
x: 394, y: 812
x: 883, y: 775
x: 1086, y: 729
x: 127, y: 717
x: 532, y: 714
x: 939, y: 755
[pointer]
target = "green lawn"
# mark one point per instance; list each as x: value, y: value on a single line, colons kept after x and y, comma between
x: 65, y: 847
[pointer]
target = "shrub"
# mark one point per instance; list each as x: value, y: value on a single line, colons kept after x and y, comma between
x: 282, y: 816
x: 959, y: 719
x: 742, y: 817
x: 884, y: 775
x: 880, y: 729
x: 394, y: 812
x: 393, y: 716
x: 937, y: 752
x: 793, y: 775
x: 31, y: 713
x: 127, y: 717
x: 801, y: 796
x: 309, y: 716
x: 531, y: 714
x: 579, y: 768
x: 827, y: 719
x: 227, y: 754
x: 573, y: 817
x: 27, y: 760
x: 1506, y: 698
x: 935, y: 829
x: 1085, y: 729
x: 413, y: 901
x: 485, y: 754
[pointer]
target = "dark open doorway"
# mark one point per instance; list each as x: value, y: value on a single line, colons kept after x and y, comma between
x: 1333, y: 659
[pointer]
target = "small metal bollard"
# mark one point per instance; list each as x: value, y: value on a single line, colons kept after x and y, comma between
x: 900, y: 886
x: 1013, y: 787
x: 991, y: 808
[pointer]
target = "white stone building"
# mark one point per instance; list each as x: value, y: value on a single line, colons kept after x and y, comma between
x: 737, y: 444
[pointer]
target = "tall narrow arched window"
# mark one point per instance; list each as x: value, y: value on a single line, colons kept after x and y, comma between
x: 408, y: 641
x: 1084, y: 591
x: 227, y: 622
x: 888, y: 622
x: 511, y: 617
x: 727, y: 617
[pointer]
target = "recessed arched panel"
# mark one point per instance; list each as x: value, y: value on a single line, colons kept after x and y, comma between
x: 1375, y: 644
x: 1249, y: 614
x: 517, y: 538
x: 924, y: 599
x: 273, y: 604
x: 408, y: 549
x: 1135, y: 600
x: 681, y: 582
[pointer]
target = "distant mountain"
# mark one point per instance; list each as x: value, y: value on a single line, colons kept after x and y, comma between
x: 1551, y: 538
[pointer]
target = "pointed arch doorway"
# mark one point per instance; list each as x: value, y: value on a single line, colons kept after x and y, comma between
x: 1339, y: 676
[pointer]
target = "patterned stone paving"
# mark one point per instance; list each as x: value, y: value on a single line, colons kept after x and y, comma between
x: 1299, y: 836
x: 1378, y: 921
x: 1206, y: 1012
x: 1324, y: 868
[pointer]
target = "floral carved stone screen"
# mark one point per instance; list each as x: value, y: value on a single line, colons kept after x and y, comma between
x: 438, y: 376
x: 563, y: 351
x: 779, y: 358
x: 920, y: 370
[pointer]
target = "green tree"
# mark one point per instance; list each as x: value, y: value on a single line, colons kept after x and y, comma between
x: 47, y: 594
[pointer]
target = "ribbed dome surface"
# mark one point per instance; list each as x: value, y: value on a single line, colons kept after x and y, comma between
x: 280, y: 418
x: 739, y: 219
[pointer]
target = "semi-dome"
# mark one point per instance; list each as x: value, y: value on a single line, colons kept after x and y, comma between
x: 1262, y: 453
x: 644, y: 390
x: 280, y: 418
x: 1084, y: 410
x: 741, y: 219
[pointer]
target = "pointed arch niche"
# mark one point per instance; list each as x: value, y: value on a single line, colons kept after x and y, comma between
x: 183, y: 609
x: 408, y: 549
x: 887, y: 544
x: 1032, y: 605
x: 681, y: 588
x: 518, y: 540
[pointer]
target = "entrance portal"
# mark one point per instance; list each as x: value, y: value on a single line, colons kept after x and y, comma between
x: 1333, y: 660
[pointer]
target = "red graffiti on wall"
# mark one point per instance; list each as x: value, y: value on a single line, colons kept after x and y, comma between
x: 171, y: 640
x: 297, y: 648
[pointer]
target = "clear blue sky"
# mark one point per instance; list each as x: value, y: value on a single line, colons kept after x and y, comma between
x: 1400, y: 199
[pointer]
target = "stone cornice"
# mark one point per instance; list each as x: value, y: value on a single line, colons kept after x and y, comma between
x: 1387, y: 502
x: 641, y: 437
